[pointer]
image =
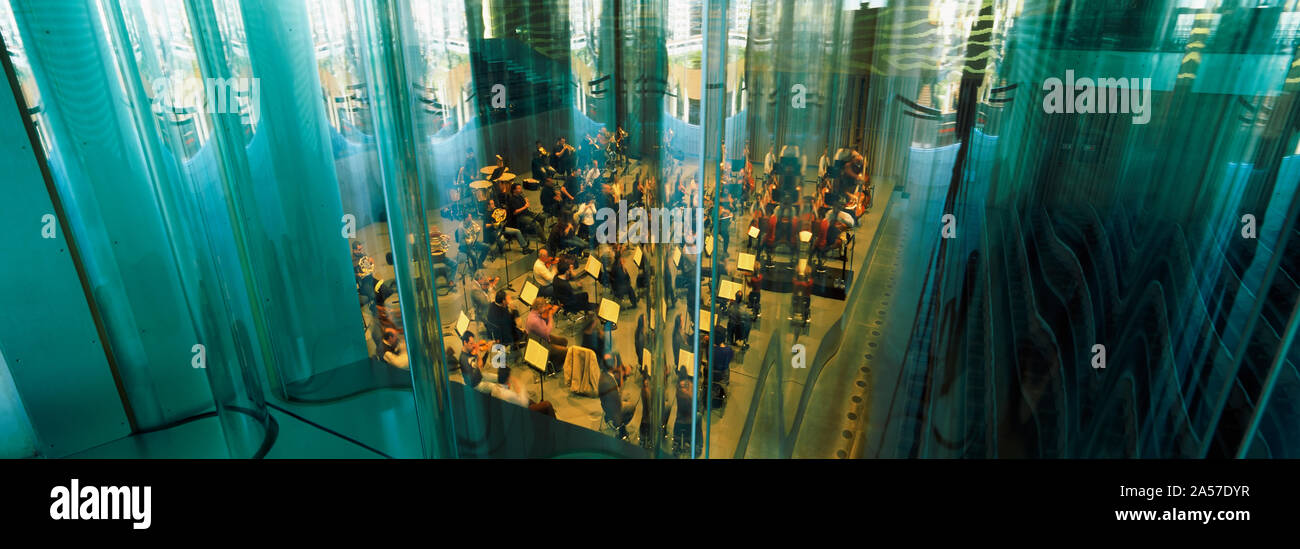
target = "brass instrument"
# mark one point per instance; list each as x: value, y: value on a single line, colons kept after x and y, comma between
x: 498, y: 215
x: 438, y: 243
x: 473, y: 232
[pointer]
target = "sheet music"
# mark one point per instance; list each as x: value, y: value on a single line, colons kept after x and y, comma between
x: 462, y: 323
x: 753, y: 232
x: 535, y: 355
x: 706, y: 320
x: 745, y: 262
x: 727, y: 289
x: 636, y: 256
x: 609, y: 310
x: 529, y: 293
x: 593, y: 266
x: 686, y: 359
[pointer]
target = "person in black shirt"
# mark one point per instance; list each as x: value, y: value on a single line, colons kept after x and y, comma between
x: 721, y: 361
x: 682, y: 425
x: 517, y: 213
x: 468, y: 170
x: 738, y: 321
x: 572, y: 300
x: 618, y: 411
x: 501, y: 320
x: 541, y: 164
x: 562, y: 158
x: 622, y: 281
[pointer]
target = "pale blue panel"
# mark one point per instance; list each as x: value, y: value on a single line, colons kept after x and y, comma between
x: 48, y: 340
x: 16, y: 437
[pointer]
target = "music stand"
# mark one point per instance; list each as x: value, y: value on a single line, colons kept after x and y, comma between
x: 529, y: 293
x: 535, y: 355
x: 593, y: 268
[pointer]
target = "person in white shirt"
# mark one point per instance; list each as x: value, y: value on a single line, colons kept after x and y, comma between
x: 586, y: 214
x: 543, y: 270
x: 769, y: 161
x: 515, y: 393
x: 592, y: 173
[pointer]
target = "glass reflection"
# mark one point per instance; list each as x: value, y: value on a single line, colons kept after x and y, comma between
x: 698, y: 228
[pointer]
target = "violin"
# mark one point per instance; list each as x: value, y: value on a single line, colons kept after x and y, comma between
x: 548, y: 310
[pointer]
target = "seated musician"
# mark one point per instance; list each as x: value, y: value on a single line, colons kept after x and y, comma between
x: 621, y: 281
x: 499, y: 170
x: 541, y: 165
x: 519, y: 216
x: 837, y: 235
x: 482, y: 289
x: 618, y: 406
x: 849, y: 172
x: 551, y: 200
x: 803, y: 292
x: 840, y: 213
x: 564, y: 237
x: 539, y: 324
x: 566, y: 295
x: 472, y: 363
x: 544, y: 270
x: 469, y: 168
x: 442, y: 265
x: 395, y: 353
x: 496, y: 231
x: 470, y: 237
x: 501, y: 320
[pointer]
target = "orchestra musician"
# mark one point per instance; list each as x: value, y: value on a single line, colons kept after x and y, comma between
x: 562, y: 157
x: 500, y: 170
x: 539, y: 325
x: 544, y: 271
x: 496, y: 230
x: 541, y: 165
x: 470, y: 237
x: 442, y: 265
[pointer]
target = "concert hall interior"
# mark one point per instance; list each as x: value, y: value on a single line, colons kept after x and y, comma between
x: 648, y: 229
